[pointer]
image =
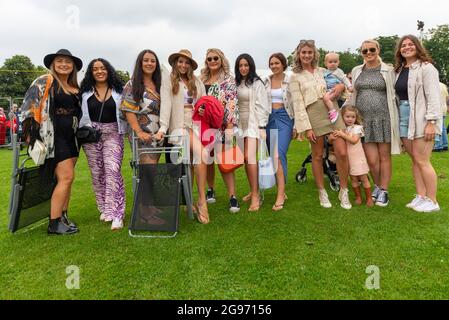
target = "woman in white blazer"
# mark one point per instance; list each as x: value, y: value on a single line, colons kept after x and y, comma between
x: 418, y: 91
x: 179, y: 94
x: 254, y: 110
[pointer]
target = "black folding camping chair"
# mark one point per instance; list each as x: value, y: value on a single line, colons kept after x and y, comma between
x: 160, y: 189
x: 31, y: 191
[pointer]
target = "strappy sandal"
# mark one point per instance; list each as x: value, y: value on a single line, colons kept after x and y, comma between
x: 247, y: 197
x: 255, y: 208
x: 278, y: 207
x: 202, y: 214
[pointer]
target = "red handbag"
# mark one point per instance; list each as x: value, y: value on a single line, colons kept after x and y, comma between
x: 230, y: 159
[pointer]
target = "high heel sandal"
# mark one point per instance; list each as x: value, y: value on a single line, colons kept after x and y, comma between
x: 202, y: 213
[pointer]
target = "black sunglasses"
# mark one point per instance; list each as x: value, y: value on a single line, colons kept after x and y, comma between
x: 209, y: 59
x: 372, y: 50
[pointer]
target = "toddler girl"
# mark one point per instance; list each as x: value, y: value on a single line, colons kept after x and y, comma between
x: 358, y: 166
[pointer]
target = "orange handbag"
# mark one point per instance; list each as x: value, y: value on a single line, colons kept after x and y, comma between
x: 230, y: 158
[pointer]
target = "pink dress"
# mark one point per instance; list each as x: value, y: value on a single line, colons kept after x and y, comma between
x: 358, y: 165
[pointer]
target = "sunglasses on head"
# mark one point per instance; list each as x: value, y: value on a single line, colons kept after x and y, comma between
x: 372, y: 50
x: 209, y: 59
x: 309, y: 42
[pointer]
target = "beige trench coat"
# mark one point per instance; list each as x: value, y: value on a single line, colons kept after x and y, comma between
x: 424, y: 98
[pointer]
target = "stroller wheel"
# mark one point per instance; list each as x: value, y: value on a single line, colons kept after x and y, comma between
x: 334, y: 183
x: 301, y: 176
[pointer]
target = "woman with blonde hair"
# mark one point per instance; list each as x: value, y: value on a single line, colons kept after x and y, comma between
x: 178, y: 97
x: 374, y: 96
x: 50, y: 113
x: 418, y: 90
x: 219, y: 83
x: 308, y: 87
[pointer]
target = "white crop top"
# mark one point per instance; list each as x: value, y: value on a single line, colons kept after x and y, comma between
x: 276, y: 96
x: 188, y: 100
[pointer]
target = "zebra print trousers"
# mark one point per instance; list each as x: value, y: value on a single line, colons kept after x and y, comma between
x: 105, y: 162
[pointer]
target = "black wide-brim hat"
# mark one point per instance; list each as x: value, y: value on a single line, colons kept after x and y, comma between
x: 63, y: 52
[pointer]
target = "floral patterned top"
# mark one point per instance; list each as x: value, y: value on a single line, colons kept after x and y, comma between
x: 147, y: 110
x: 226, y: 93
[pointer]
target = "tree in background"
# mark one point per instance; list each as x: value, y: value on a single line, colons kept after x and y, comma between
x: 123, y: 75
x: 387, y: 48
x: 16, y: 75
x: 349, y: 60
x: 437, y: 43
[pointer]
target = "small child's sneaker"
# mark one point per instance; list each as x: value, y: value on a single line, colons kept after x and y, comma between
x: 333, y: 115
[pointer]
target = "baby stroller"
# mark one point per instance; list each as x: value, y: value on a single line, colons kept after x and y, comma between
x: 329, y: 167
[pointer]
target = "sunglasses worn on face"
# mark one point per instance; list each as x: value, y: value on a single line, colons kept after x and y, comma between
x: 209, y: 59
x: 372, y: 50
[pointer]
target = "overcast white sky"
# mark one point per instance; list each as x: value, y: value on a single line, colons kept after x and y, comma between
x: 119, y: 30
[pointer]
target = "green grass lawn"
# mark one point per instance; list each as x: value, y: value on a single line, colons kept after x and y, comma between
x: 302, y: 252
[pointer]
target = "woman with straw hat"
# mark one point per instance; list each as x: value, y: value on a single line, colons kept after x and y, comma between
x: 178, y: 96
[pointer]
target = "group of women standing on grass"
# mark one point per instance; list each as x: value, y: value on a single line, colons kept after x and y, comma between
x: 154, y: 103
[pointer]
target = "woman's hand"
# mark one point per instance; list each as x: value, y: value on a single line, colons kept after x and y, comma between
x: 262, y: 134
x: 201, y: 111
x: 429, y: 132
x: 294, y: 134
x: 311, y: 135
x: 144, y: 137
x: 159, y: 136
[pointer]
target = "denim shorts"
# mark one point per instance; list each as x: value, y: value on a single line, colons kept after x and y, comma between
x: 404, y: 116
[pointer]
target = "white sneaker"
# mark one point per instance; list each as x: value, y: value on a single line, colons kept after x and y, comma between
x: 427, y: 206
x: 415, y: 202
x: 324, y: 199
x: 116, y: 224
x: 105, y: 218
x: 343, y: 196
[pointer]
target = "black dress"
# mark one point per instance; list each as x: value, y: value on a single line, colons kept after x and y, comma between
x: 67, y: 112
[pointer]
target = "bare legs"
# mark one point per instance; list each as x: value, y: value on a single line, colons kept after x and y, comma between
x: 199, y: 155
x: 378, y: 156
x: 342, y: 161
x: 252, y: 172
x: 65, y: 174
x: 423, y: 172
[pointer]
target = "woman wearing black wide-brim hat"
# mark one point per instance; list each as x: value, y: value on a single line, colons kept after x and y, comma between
x: 50, y: 113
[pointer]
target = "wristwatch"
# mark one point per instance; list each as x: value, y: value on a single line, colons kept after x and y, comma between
x: 262, y: 127
x: 433, y: 121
